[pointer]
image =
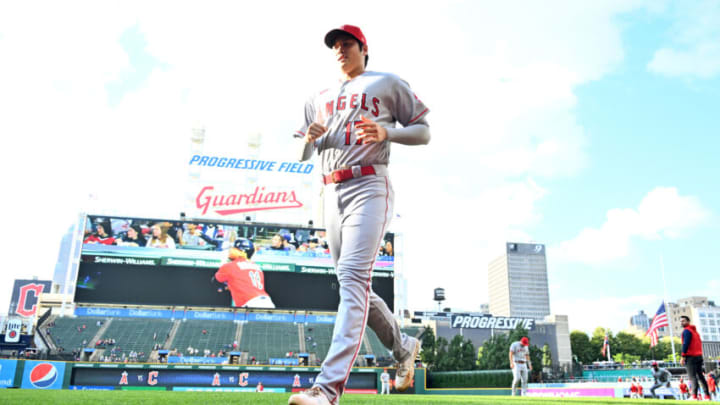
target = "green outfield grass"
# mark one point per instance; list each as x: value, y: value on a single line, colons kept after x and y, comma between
x: 63, y: 397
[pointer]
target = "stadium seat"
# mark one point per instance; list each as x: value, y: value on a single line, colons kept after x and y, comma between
x: 219, y: 335
x: 65, y: 333
x: 264, y: 340
x: 136, y: 335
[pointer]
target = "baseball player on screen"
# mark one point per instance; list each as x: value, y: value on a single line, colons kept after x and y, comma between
x: 351, y: 125
x: 520, y: 364
x: 244, y: 279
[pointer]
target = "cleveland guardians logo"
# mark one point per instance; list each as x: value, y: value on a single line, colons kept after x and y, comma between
x: 43, y: 375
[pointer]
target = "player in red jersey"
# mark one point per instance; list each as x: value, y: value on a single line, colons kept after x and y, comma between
x: 633, y: 389
x: 683, y: 390
x: 243, y: 278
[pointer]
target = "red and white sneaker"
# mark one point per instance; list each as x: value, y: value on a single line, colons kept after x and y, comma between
x: 313, y: 396
x: 708, y: 398
x: 693, y: 397
x: 406, y: 370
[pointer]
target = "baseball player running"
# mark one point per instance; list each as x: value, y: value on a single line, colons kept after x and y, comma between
x: 351, y: 125
x: 520, y: 364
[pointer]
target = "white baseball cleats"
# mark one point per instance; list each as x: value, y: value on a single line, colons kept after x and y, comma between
x: 313, y: 396
x: 406, y: 370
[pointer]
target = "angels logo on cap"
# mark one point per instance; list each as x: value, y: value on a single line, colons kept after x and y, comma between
x: 43, y: 375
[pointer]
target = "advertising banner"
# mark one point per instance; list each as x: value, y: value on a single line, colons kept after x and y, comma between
x: 265, y: 187
x: 219, y: 378
x: 25, y: 293
x: 7, y: 373
x: 571, y: 392
x: 490, y: 322
x: 197, y: 360
x: 43, y: 375
x: 14, y: 327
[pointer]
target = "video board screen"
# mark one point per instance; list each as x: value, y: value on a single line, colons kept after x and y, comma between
x: 187, y: 263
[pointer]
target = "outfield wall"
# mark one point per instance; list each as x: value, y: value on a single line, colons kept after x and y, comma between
x: 31, y: 374
x: 610, y: 390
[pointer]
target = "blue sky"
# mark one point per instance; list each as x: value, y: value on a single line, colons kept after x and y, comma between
x: 590, y: 127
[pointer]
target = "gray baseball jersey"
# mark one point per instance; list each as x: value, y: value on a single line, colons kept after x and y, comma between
x: 358, y: 212
x: 662, y: 375
x: 519, y: 351
x: 381, y: 97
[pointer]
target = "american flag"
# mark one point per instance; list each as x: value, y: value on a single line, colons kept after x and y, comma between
x: 659, y: 320
x: 606, y: 345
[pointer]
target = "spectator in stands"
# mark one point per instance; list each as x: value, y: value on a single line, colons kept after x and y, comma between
x: 278, y: 243
x: 160, y: 237
x: 193, y: 237
x: 175, y: 231
x: 102, y: 234
x: 387, y: 249
x: 288, y: 242
x: 133, y: 238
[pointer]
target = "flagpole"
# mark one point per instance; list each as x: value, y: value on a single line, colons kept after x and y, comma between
x: 667, y: 307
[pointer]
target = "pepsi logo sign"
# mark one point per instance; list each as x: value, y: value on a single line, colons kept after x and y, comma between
x: 43, y: 375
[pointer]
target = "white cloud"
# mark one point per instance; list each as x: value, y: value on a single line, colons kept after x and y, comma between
x: 695, y: 48
x: 662, y: 213
x: 586, y: 314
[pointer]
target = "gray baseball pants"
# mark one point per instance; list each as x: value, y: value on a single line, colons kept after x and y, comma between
x: 357, y: 214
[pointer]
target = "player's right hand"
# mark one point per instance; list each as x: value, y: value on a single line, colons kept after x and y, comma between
x: 314, y: 131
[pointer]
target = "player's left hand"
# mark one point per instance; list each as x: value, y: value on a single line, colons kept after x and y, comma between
x: 370, y: 131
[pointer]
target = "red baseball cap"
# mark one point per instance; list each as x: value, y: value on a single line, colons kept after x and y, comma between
x: 525, y: 341
x: 356, y: 32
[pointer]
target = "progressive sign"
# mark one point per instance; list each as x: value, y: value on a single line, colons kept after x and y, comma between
x: 490, y: 322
